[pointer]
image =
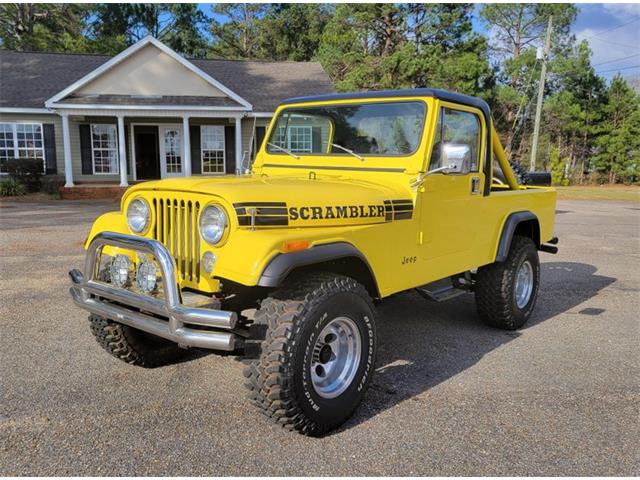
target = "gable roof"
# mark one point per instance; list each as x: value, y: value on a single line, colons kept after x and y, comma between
x: 29, y: 79
x: 129, y: 52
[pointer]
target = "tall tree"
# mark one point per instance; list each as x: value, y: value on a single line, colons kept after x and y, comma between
x: 518, y: 29
x: 293, y: 31
x: 42, y: 26
x: 117, y: 25
x: 575, y: 109
x: 373, y: 46
x: 238, y: 36
x: 619, y: 142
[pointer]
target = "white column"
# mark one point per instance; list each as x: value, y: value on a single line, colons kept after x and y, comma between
x: 122, y: 152
x: 66, y: 142
x: 239, y: 165
x: 186, y: 142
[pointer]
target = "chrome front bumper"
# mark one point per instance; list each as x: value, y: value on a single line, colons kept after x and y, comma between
x: 167, y: 318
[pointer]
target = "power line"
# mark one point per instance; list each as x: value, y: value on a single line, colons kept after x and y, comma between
x: 613, y: 28
x: 617, y: 69
x: 635, y: 47
x: 616, y: 60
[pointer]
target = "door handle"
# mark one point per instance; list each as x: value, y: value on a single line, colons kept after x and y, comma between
x: 475, y: 185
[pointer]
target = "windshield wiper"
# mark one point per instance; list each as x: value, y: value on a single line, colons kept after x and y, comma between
x: 278, y: 147
x: 348, y: 151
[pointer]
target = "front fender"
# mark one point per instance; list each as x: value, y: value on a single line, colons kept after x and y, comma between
x: 107, y: 222
x: 283, y: 264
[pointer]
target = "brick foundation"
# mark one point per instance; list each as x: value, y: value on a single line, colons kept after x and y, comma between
x: 92, y: 192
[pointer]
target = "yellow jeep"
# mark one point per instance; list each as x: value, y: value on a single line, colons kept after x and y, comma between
x: 351, y: 198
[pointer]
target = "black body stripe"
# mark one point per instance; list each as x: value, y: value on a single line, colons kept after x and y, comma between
x: 245, y: 221
x: 398, y: 209
x: 263, y: 210
x: 403, y: 215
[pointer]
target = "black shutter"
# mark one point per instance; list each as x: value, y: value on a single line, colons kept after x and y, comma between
x: 316, y: 140
x: 230, y: 148
x: 85, y: 149
x: 196, y: 159
x: 260, y: 134
x: 49, y: 137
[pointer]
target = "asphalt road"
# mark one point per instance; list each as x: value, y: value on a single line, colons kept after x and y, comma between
x: 451, y: 396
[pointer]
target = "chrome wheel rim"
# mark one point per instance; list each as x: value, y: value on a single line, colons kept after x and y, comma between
x: 524, y: 284
x: 336, y: 357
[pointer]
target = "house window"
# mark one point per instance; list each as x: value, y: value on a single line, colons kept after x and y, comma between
x: 297, y: 139
x: 300, y: 139
x: 212, y: 148
x: 172, y: 150
x: 20, y: 140
x: 104, y: 148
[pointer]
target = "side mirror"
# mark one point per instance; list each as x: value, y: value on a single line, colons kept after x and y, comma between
x: 457, y: 157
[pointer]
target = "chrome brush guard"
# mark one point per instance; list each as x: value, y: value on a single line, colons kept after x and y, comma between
x: 168, y: 317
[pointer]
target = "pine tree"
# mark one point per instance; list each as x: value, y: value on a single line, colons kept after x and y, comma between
x: 619, y: 142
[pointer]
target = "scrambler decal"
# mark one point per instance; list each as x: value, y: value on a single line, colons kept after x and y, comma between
x: 278, y: 214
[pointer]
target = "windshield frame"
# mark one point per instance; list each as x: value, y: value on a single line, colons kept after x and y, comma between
x: 324, y: 155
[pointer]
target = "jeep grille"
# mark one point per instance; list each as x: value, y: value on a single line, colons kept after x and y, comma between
x: 176, y: 227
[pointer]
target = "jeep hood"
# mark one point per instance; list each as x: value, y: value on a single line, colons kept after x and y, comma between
x: 296, y: 201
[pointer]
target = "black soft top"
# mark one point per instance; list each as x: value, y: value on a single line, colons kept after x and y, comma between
x: 412, y: 92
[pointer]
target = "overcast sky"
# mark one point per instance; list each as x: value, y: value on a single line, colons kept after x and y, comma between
x: 612, y: 30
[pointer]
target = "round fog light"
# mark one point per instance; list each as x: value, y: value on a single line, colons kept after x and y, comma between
x: 147, y: 277
x: 208, y: 261
x: 119, y: 270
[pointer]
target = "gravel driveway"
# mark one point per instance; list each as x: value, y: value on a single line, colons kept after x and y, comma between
x: 451, y: 396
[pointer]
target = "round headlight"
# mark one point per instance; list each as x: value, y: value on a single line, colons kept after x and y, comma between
x: 213, y: 221
x: 138, y: 215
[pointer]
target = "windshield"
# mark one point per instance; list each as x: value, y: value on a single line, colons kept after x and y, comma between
x: 389, y: 129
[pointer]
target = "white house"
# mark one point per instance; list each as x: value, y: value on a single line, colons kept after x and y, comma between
x: 145, y: 113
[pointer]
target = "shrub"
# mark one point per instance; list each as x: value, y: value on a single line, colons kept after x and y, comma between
x: 51, y: 184
x: 11, y: 188
x: 26, y: 171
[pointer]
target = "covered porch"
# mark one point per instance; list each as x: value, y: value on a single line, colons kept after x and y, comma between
x: 128, y: 145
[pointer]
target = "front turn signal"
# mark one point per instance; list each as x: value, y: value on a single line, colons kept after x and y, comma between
x: 295, y: 246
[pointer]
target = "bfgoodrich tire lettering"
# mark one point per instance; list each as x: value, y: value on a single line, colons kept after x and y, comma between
x: 496, y: 296
x: 280, y: 381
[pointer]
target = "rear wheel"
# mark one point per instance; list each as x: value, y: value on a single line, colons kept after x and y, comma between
x: 506, y: 292
x: 317, y: 356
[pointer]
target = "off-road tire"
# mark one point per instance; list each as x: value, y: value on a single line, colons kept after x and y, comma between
x: 495, y: 285
x: 134, y: 346
x: 519, y: 172
x: 131, y: 345
x: 287, y: 325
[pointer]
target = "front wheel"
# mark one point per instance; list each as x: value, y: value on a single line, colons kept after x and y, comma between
x: 317, y: 355
x: 506, y: 292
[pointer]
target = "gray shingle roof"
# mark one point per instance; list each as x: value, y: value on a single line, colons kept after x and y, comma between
x: 28, y: 79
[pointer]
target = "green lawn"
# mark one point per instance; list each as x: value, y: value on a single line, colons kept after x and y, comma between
x: 617, y: 192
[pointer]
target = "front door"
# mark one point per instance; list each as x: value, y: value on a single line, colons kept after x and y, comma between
x: 145, y: 138
x: 452, y: 204
x: 171, y: 158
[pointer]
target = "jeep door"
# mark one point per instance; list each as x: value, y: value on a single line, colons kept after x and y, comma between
x: 451, y: 202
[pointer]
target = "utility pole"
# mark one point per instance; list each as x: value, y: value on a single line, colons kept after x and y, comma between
x: 543, y: 74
